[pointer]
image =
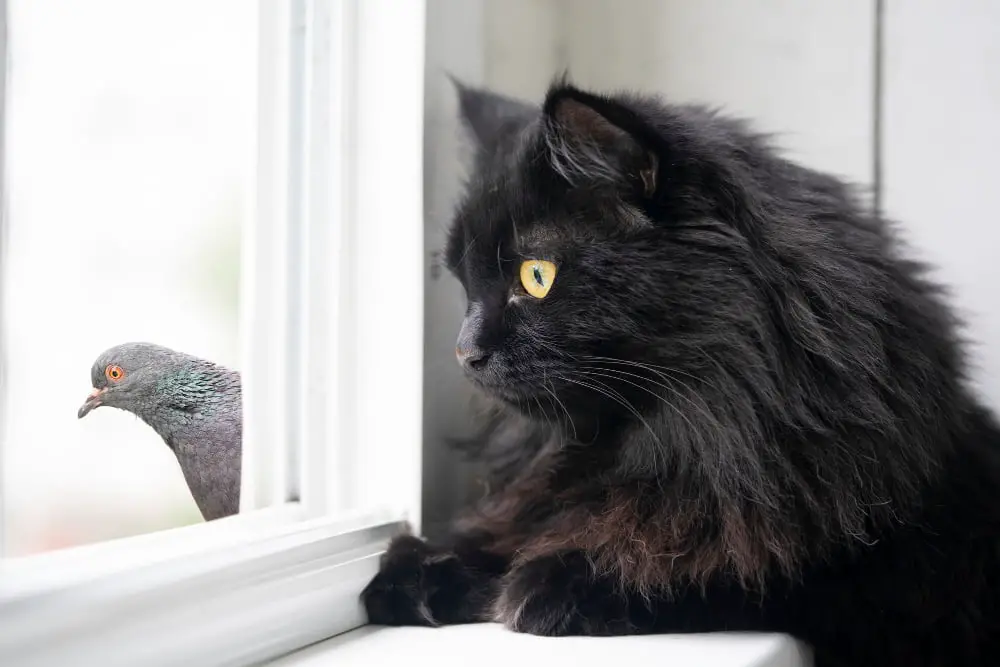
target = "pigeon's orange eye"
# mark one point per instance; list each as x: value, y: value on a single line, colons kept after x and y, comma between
x: 114, y: 373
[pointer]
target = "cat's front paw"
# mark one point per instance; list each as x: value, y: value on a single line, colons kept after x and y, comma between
x: 410, y: 574
x: 560, y: 595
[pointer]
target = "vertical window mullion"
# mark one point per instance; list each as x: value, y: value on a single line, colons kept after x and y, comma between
x: 3, y: 268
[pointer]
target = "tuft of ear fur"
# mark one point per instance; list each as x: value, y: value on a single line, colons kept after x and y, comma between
x: 493, y: 120
x: 593, y: 139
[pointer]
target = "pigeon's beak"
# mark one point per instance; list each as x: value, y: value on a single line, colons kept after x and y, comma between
x: 93, y: 401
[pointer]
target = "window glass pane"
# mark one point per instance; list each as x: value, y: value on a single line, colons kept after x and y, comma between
x: 130, y: 137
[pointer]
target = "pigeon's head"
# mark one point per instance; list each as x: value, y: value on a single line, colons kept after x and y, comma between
x: 126, y: 376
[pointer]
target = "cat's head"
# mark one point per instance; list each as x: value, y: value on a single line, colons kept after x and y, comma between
x: 596, y: 233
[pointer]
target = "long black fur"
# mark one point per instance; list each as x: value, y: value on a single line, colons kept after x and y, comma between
x: 740, y: 406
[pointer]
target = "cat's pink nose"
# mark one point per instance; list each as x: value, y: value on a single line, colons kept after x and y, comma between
x: 471, y: 356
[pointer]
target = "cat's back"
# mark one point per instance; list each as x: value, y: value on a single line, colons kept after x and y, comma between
x: 934, y: 577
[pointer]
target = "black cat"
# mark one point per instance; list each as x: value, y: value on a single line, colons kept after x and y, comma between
x: 741, y: 406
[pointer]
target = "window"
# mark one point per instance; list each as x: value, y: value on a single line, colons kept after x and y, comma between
x: 129, y: 168
x: 326, y: 334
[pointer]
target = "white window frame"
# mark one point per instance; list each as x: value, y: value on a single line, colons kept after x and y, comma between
x: 333, y: 277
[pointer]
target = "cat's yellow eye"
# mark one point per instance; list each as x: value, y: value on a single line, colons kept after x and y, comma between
x: 537, y: 276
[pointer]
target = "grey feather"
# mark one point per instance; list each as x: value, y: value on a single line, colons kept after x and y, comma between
x: 193, y: 404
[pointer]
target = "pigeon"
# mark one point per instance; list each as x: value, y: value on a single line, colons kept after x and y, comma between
x: 193, y: 404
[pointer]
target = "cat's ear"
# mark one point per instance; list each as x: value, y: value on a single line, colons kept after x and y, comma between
x: 594, y: 139
x: 492, y: 119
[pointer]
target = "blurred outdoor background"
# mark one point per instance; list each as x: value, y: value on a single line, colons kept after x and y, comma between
x: 130, y: 137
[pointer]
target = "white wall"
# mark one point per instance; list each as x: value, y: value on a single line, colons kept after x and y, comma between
x: 800, y: 69
x: 941, y: 146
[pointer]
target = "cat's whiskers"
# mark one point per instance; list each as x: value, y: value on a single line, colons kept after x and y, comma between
x: 700, y: 408
x: 467, y: 249
x: 546, y: 342
x: 608, y: 392
x: 674, y: 408
x: 657, y: 453
x: 657, y: 368
x: 551, y: 348
x: 569, y: 417
x: 669, y: 374
x: 548, y: 421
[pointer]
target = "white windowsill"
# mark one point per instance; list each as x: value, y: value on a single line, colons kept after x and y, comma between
x: 490, y: 644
